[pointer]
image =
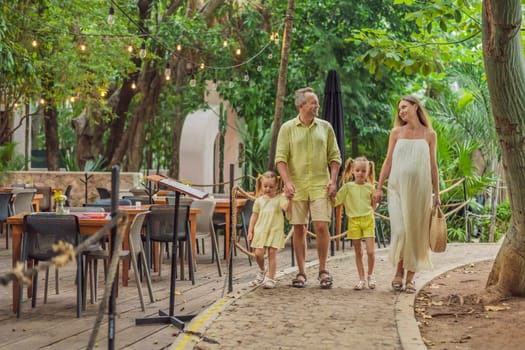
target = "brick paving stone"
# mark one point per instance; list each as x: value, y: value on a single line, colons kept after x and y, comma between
x: 339, y: 318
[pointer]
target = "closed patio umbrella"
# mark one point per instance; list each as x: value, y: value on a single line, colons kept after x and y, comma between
x: 333, y: 110
x: 333, y: 113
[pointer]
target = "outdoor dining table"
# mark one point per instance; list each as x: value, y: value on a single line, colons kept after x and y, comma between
x: 89, y: 224
x: 222, y: 206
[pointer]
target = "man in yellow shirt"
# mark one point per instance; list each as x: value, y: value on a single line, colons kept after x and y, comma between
x: 308, y: 160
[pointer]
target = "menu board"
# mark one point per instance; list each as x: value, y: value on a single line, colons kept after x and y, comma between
x: 177, y: 186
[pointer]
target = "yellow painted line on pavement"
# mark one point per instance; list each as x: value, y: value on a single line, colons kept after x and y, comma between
x: 197, y: 323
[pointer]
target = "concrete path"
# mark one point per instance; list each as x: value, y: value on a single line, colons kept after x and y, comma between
x: 341, y: 318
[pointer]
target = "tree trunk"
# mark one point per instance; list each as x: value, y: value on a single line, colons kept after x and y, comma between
x: 281, y: 82
x: 150, y: 87
x: 178, y: 120
x: 51, y: 130
x: 116, y: 129
x: 89, y: 128
x: 505, y: 71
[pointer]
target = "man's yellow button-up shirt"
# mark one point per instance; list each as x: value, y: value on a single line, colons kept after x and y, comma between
x: 308, y: 152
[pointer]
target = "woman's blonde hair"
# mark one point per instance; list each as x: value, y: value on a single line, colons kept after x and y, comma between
x: 421, y: 112
x: 267, y: 175
x: 349, y: 167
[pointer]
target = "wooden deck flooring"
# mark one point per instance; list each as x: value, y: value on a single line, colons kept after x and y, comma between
x: 55, y: 326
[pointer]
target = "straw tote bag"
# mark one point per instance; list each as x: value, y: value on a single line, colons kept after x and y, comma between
x: 438, y: 230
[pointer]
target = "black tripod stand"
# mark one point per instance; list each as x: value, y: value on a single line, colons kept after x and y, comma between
x: 170, y: 318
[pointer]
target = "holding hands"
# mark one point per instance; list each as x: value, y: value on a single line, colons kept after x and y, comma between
x: 289, y: 190
x: 331, y: 190
x: 378, y: 195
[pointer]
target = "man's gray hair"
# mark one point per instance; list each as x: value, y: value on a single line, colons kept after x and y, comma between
x: 300, y: 95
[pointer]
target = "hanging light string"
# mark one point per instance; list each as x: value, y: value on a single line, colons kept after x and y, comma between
x: 144, y: 35
x: 273, y: 38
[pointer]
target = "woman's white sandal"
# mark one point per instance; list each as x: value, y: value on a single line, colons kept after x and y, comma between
x: 360, y: 285
x: 269, y: 283
x: 372, y: 281
x: 259, y: 278
x: 410, y: 287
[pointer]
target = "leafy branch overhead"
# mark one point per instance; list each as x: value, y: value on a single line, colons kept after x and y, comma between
x: 433, y: 35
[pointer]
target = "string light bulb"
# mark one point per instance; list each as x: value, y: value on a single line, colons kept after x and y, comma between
x: 246, y: 76
x: 276, y: 38
x: 231, y: 84
x: 259, y: 67
x: 142, y: 52
x: 42, y: 101
x: 202, y: 66
x: 193, y: 82
x: 238, y: 52
x: 167, y: 71
x: 82, y: 47
x: 225, y: 43
x: 179, y: 47
x: 111, y: 16
x: 34, y: 43
x: 130, y: 48
x: 133, y: 85
x: 270, y: 55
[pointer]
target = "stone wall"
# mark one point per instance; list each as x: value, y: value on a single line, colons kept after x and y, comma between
x: 61, y: 179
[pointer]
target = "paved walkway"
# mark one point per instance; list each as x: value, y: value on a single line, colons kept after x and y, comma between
x: 288, y: 318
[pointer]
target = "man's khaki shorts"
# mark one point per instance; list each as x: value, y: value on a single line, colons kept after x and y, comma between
x: 318, y: 209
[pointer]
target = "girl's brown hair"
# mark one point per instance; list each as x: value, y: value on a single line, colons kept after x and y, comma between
x: 421, y: 112
x: 267, y: 175
x: 349, y: 166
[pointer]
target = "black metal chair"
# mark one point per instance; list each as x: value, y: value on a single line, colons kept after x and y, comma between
x: 5, y: 212
x: 40, y: 232
x: 103, y: 193
x: 67, y: 193
x: 160, y: 229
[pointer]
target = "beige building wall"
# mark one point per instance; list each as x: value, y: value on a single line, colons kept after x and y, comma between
x: 199, y: 160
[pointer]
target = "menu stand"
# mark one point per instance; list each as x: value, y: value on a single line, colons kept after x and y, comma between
x: 170, y: 318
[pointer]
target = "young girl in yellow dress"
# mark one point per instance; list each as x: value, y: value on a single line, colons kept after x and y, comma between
x: 266, y: 229
x: 356, y: 196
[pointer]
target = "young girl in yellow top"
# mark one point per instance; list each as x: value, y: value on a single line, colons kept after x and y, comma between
x: 356, y: 196
x: 266, y: 229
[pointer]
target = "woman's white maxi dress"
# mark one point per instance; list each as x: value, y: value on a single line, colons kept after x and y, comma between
x: 410, y: 204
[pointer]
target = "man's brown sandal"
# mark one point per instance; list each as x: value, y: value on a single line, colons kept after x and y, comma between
x: 326, y: 281
x: 299, y: 281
